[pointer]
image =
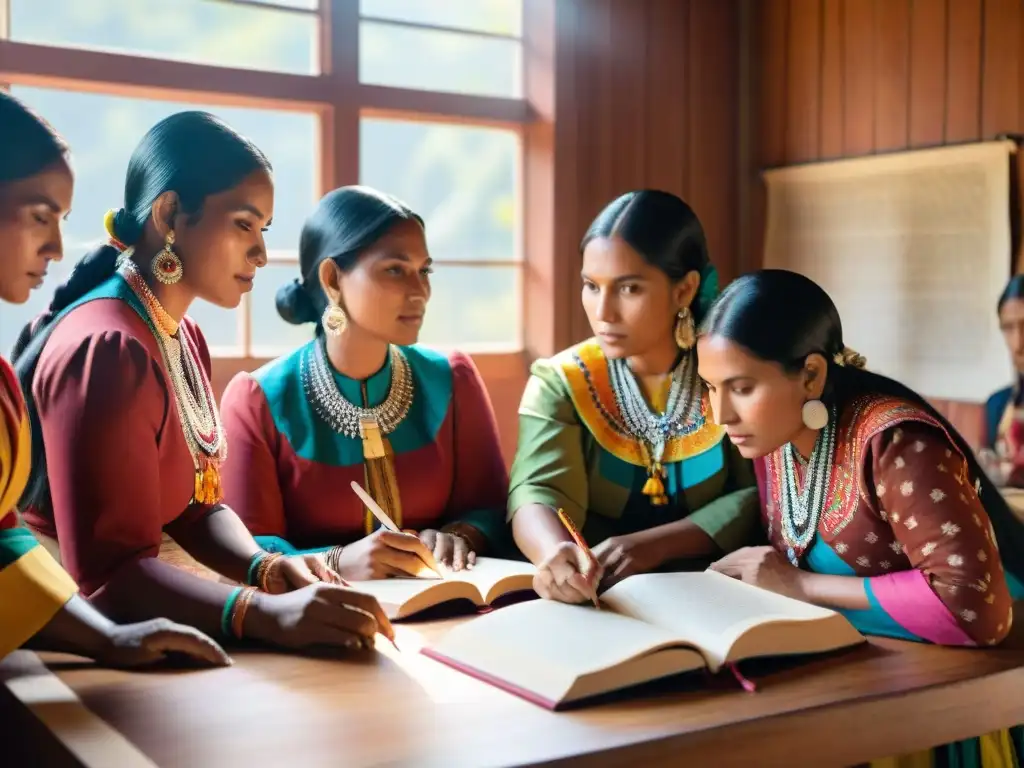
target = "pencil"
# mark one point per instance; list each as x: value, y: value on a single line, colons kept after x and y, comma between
x: 386, y: 521
x: 577, y: 537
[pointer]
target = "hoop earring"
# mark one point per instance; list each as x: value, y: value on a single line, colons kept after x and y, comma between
x: 166, y: 266
x: 814, y: 415
x: 334, y: 320
x: 685, y: 333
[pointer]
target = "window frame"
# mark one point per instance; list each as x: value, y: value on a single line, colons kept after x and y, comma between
x: 339, y: 100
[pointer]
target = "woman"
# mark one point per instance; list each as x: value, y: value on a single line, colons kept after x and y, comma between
x: 616, y: 431
x: 361, y: 403
x: 874, y: 505
x: 1004, y: 416
x: 39, y: 603
x: 129, y: 439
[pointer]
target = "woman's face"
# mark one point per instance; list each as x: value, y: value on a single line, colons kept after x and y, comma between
x: 221, y: 250
x: 31, y: 212
x: 631, y: 305
x: 758, y: 402
x: 1011, y: 322
x: 386, y: 291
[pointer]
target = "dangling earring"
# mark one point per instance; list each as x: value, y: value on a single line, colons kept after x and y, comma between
x: 815, y: 415
x: 167, y: 267
x: 334, y: 320
x: 684, y: 331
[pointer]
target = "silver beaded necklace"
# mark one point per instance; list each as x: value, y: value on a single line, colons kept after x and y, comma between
x: 802, y: 508
x: 682, y: 415
x: 342, y: 416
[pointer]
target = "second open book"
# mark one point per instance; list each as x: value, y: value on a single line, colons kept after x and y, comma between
x: 650, y: 626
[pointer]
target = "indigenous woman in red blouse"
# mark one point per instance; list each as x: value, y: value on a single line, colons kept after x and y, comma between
x: 874, y: 505
x: 363, y: 402
x: 39, y: 602
x: 129, y: 441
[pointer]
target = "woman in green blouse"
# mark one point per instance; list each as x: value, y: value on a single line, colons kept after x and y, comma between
x: 617, y: 431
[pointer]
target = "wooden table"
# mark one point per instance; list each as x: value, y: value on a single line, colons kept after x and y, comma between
x: 402, y: 709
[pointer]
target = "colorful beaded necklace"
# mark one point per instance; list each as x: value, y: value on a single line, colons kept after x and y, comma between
x: 193, y: 394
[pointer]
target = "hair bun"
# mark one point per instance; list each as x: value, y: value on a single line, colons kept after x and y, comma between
x: 294, y: 304
x: 122, y: 228
x: 850, y: 358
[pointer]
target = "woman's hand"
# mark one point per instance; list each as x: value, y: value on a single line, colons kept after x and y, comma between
x: 450, y: 549
x: 568, y: 575
x: 290, y: 573
x: 157, y: 640
x: 385, y: 554
x: 623, y: 556
x: 317, y: 615
x: 763, y: 567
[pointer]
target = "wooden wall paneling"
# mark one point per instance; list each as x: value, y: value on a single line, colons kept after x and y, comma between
x: 927, y: 97
x: 803, y: 90
x: 963, y: 71
x: 628, y: 96
x: 858, y: 77
x: 1000, y: 83
x: 830, y: 119
x: 892, y: 73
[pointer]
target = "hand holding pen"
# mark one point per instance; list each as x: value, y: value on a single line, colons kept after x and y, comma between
x: 571, y: 573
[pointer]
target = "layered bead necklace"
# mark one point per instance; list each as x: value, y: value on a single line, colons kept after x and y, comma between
x: 802, y: 507
x: 683, y: 415
x: 344, y: 417
x: 193, y: 394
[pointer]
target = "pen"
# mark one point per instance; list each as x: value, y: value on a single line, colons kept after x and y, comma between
x: 577, y: 537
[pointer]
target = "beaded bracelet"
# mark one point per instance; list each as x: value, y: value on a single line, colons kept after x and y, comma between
x: 225, y: 615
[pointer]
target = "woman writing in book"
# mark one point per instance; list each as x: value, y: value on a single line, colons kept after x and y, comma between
x: 128, y: 441
x: 616, y: 432
x: 362, y: 402
x: 874, y: 505
x: 39, y: 602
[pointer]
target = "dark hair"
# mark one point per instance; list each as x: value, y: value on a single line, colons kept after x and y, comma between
x: 193, y: 154
x: 345, y: 223
x: 29, y: 142
x: 783, y: 317
x: 1014, y: 290
x: 666, y: 232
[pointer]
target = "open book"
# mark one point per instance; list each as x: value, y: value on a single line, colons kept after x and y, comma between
x: 489, y: 579
x: 649, y: 626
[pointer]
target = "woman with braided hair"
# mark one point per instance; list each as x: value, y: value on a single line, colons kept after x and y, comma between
x: 616, y: 431
x: 873, y: 504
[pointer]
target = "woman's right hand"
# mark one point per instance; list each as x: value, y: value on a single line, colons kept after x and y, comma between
x: 568, y: 575
x: 317, y: 615
x: 385, y: 553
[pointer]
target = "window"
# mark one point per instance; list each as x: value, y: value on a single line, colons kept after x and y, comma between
x: 462, y: 46
x: 260, y: 71
x: 201, y: 31
x: 462, y: 180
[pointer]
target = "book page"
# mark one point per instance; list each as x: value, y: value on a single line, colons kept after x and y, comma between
x: 709, y: 609
x: 545, y: 646
x: 491, y: 572
x: 914, y: 249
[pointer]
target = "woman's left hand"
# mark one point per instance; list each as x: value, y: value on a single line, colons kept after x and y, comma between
x: 290, y: 573
x: 763, y: 567
x: 624, y: 556
x: 450, y: 549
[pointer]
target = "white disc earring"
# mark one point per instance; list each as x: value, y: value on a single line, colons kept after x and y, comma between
x: 815, y: 415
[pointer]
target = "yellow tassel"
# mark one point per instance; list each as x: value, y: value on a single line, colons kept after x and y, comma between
x: 653, y: 486
x: 379, y: 472
x: 207, y: 485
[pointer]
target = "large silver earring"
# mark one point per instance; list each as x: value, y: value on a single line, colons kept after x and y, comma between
x: 685, y: 332
x: 334, y: 320
x: 166, y: 266
x: 815, y: 415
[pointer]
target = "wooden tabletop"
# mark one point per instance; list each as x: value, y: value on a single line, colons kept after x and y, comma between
x: 401, y: 709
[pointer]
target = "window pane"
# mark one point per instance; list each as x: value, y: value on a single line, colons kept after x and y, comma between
x: 270, y: 335
x: 500, y: 16
x: 192, y: 30
x: 473, y: 306
x: 461, y: 179
x: 101, y: 146
x: 430, y: 60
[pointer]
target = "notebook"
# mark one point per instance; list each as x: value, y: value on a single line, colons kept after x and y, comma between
x: 489, y: 579
x: 649, y: 626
